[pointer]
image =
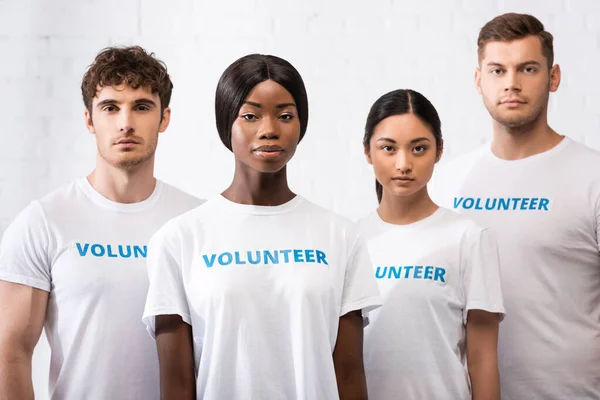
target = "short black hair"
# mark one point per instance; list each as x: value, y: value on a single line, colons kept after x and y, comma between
x: 242, y: 76
x: 400, y: 102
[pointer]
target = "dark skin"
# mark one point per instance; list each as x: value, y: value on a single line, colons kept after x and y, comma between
x: 264, y: 138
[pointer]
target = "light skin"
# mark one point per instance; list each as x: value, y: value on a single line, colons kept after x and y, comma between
x: 264, y: 139
x: 126, y: 123
x: 515, y: 83
x: 403, y: 152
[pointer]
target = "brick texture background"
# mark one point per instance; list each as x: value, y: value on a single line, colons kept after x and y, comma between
x: 349, y: 52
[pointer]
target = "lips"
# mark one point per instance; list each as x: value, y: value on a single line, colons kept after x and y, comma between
x: 402, y: 178
x: 127, y: 141
x: 268, y: 149
x: 513, y: 101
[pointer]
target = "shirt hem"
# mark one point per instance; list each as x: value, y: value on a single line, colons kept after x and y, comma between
x: 149, y: 318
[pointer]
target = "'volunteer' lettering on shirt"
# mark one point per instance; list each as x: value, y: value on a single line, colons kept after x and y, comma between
x: 265, y: 257
x: 502, y: 203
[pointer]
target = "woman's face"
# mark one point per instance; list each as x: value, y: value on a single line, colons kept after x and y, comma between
x: 403, y: 153
x: 266, y: 132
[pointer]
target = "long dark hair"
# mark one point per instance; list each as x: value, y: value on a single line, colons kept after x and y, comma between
x: 240, y: 78
x: 399, y: 102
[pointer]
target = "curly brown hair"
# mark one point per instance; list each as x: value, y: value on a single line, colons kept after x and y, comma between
x: 132, y: 65
x: 512, y: 26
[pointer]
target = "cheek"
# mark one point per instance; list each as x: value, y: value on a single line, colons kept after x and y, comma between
x: 239, y: 135
x: 383, y: 164
x: 426, y: 164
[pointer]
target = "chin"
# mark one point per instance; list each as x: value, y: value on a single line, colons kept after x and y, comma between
x: 403, y: 192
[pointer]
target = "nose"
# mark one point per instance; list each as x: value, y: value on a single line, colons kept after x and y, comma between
x: 268, y: 129
x: 512, y: 83
x: 125, y: 122
x: 403, y: 162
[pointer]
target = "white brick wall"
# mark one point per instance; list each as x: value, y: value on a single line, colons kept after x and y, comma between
x: 348, y: 51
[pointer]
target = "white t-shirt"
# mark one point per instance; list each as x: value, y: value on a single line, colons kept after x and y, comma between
x: 89, y: 253
x: 430, y: 274
x: 263, y: 289
x: 545, y: 211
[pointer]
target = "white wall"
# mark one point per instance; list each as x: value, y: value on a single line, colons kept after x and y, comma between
x: 349, y: 52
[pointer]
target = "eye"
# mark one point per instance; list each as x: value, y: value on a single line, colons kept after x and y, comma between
x: 143, y: 108
x: 387, y: 148
x: 419, y: 149
x: 249, y: 117
x: 286, y: 117
x: 529, y: 70
x: 109, y: 108
x: 496, y: 71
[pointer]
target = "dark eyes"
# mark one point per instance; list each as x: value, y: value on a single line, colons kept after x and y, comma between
x: 112, y: 108
x: 249, y: 117
x: 528, y: 70
x: 253, y: 117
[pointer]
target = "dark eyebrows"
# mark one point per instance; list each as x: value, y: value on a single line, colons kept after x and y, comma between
x: 417, y: 140
x: 521, y: 65
x: 112, y: 102
x: 144, y: 101
x: 284, y: 105
x: 278, y: 106
x: 421, y: 139
x: 530, y: 62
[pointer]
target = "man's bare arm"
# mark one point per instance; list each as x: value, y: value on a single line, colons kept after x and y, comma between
x: 22, y: 315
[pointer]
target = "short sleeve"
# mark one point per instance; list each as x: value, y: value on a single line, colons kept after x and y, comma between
x: 25, y: 250
x: 166, y: 292
x: 481, y: 273
x: 360, y: 287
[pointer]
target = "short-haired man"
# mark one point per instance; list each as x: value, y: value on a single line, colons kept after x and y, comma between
x: 540, y: 191
x: 74, y: 261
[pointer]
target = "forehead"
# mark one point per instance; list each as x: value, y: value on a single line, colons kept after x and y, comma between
x: 124, y: 93
x: 403, y: 127
x: 269, y: 91
x: 514, y: 52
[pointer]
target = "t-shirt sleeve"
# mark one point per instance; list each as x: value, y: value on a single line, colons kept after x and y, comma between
x: 360, y: 288
x: 481, y: 273
x: 25, y: 250
x: 166, y: 292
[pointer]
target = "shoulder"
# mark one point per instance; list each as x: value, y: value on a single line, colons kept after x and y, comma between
x: 464, y: 160
x: 179, y: 199
x: 460, y: 224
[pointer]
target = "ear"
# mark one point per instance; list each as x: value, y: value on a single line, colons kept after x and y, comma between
x: 477, y: 79
x: 554, y: 78
x: 439, y: 151
x: 166, y: 118
x: 89, y: 124
x: 367, y: 154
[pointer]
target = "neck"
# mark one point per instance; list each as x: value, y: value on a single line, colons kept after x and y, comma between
x: 259, y: 189
x: 123, y: 185
x: 515, y: 143
x: 403, y: 210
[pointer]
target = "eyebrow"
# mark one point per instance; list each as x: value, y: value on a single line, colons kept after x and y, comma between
x: 144, y: 101
x: 385, y: 139
x: 278, y: 106
x: 497, y: 64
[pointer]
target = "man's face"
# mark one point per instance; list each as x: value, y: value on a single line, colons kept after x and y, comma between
x: 515, y: 82
x: 126, y: 123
